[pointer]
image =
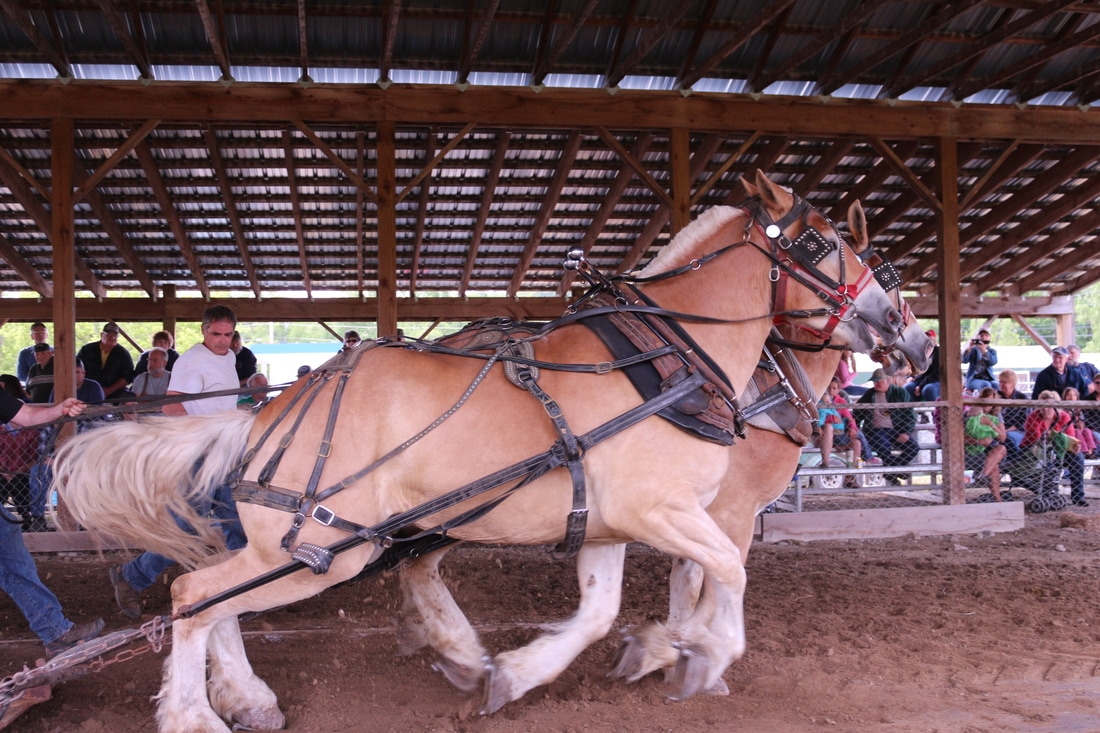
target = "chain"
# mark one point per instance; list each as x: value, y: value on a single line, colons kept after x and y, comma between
x: 63, y: 666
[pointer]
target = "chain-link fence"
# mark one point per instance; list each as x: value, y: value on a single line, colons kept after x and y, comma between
x: 871, y: 468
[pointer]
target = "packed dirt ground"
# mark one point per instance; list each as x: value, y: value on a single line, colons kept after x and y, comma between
x: 959, y: 634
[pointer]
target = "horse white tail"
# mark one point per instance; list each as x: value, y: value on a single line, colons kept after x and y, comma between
x: 131, y: 480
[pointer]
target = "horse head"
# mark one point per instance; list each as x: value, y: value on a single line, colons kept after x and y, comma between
x: 853, y: 308
x: 913, y: 348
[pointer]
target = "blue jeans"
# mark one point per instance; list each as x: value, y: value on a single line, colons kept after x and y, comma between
x: 143, y: 570
x: 977, y: 385
x: 19, y: 579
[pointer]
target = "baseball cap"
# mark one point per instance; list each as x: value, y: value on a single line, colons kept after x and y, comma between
x: 1060, y: 350
x: 877, y: 375
x: 42, y: 347
x: 111, y: 326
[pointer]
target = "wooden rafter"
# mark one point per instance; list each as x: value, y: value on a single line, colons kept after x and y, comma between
x: 215, y: 36
x: 423, y: 202
x: 935, y: 22
x: 1067, y: 257
x: 547, y: 61
x: 337, y: 161
x: 829, y: 36
x: 738, y: 39
x: 24, y: 269
x: 978, y: 47
x: 550, y: 201
x: 731, y: 160
x: 771, y: 38
x: 226, y: 188
x: 391, y: 14
x: 22, y: 20
x: 89, y: 182
x: 133, y: 47
x: 472, y: 49
x: 303, y: 42
x: 894, y: 161
x: 827, y: 163
x: 640, y: 170
x: 296, y: 212
x: 360, y: 214
x: 648, y: 42
x: 702, y: 24
x: 114, y: 232
x: 500, y: 153
x: 168, y: 210
x: 435, y: 160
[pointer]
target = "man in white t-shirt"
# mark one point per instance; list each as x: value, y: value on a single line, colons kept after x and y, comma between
x: 209, y: 366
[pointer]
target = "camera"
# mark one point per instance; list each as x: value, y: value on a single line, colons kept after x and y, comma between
x: 975, y: 342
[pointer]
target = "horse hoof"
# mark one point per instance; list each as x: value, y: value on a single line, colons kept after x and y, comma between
x: 410, y: 638
x: 628, y: 658
x: 259, y: 719
x: 498, y: 689
x: 462, y: 677
x: 690, y: 674
x: 718, y: 689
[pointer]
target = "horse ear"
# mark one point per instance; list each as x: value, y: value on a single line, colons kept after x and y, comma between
x: 750, y: 190
x: 857, y: 225
x: 774, y: 196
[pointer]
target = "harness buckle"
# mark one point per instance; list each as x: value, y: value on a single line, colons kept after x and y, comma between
x: 603, y: 367
x: 323, y: 515
x: 774, y: 274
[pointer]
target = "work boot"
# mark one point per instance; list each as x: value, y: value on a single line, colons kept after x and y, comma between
x: 75, y: 635
x: 128, y: 600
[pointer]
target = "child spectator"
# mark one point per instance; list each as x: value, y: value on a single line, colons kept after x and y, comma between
x: 984, y: 438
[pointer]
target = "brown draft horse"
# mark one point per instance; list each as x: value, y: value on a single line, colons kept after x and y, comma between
x: 759, y: 470
x: 649, y: 483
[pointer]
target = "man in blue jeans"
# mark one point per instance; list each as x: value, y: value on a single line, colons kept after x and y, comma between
x: 18, y: 574
x: 209, y: 366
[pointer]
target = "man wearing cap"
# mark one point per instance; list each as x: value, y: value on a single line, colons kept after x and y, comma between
x: 108, y: 362
x: 889, y: 431
x: 980, y: 359
x: 23, y: 365
x: 1058, y: 375
x: 40, y: 377
x: 351, y: 340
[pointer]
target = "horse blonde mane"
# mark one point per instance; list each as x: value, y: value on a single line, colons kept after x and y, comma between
x: 682, y: 247
x: 131, y: 480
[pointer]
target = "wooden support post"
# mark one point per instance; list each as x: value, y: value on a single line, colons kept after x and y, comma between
x: 62, y: 240
x: 387, y: 230
x: 947, y: 262
x: 1065, y: 329
x: 679, y: 160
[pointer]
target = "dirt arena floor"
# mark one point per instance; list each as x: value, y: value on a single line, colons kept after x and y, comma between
x: 961, y: 634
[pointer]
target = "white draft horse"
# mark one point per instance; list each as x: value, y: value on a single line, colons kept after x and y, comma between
x: 759, y: 471
x: 414, y: 424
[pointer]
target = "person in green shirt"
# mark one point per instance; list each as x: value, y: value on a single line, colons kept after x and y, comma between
x: 984, y: 440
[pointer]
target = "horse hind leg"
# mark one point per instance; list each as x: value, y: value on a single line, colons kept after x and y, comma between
x: 430, y: 617
x: 513, y: 673
x: 235, y: 692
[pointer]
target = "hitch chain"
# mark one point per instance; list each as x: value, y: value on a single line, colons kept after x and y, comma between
x: 62, y: 667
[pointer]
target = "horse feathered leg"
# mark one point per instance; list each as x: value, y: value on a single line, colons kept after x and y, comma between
x: 513, y: 673
x: 236, y: 693
x: 431, y: 617
x: 182, y: 703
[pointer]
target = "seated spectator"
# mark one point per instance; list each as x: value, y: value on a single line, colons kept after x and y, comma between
x: 351, y: 340
x: 1088, y: 441
x: 11, y: 384
x: 889, y: 430
x: 87, y: 390
x: 1056, y: 377
x: 926, y: 385
x: 980, y: 359
x: 1013, y: 418
x: 258, y: 382
x: 18, y: 454
x: 1092, y: 417
x: 164, y: 340
x: 304, y: 370
x: 108, y: 363
x: 154, y: 381
x: 1047, y: 420
x: 839, y: 428
x: 1086, y: 369
x: 40, y: 376
x: 983, y: 439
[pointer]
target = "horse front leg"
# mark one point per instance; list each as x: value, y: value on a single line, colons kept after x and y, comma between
x: 513, y: 673
x: 430, y: 617
x: 183, y: 706
x: 236, y: 693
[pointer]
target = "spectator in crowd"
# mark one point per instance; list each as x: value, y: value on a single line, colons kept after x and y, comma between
x: 304, y: 370
x: 39, y: 335
x: 258, y: 382
x: 40, y: 377
x: 926, y: 385
x: 1083, y: 433
x: 164, y: 340
x: 1086, y: 369
x: 351, y: 340
x: 208, y: 366
x: 1042, y: 423
x: 87, y: 390
x: 1056, y: 377
x: 18, y: 453
x: 846, y: 373
x: 1012, y: 418
x: 108, y: 362
x: 889, y: 426
x: 984, y: 443
x: 980, y: 359
x: 18, y: 575
x: 245, y: 360
x: 154, y: 381
x: 839, y: 428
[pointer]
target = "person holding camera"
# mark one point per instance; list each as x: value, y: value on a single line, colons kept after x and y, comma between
x: 980, y: 358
